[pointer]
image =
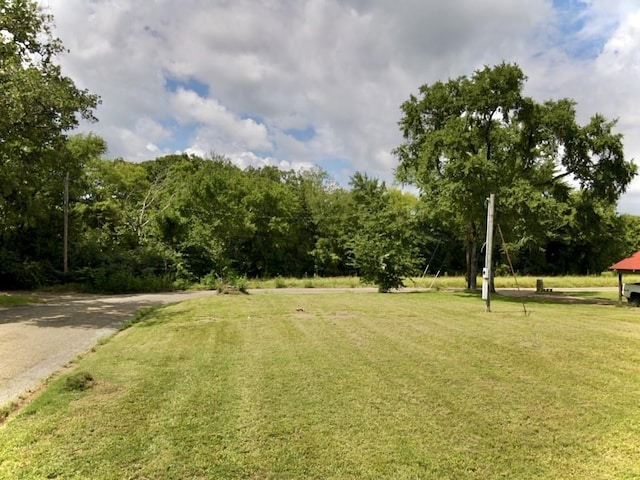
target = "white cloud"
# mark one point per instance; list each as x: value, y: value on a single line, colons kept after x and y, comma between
x: 622, y: 51
x: 338, y: 67
x: 250, y: 159
x: 217, y: 122
x: 153, y: 148
x: 618, y: 69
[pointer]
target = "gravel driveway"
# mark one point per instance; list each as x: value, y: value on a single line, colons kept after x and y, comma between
x: 37, y: 340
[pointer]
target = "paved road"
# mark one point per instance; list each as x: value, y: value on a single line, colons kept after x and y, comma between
x: 37, y: 340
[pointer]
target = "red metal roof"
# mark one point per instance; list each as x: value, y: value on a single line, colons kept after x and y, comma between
x: 630, y: 264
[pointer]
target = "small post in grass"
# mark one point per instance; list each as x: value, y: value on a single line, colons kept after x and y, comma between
x: 486, y: 271
x: 619, y: 288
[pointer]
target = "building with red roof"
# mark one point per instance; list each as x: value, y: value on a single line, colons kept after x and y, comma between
x: 628, y: 265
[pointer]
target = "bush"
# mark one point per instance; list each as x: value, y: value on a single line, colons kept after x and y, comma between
x: 232, y: 282
x: 27, y: 274
x: 123, y: 281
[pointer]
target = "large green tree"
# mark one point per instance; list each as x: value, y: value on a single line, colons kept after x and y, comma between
x: 38, y: 104
x: 472, y: 136
x: 333, y: 210
x: 383, y: 242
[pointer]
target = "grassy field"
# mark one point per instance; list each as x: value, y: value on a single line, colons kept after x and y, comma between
x: 345, y: 386
x: 607, y: 279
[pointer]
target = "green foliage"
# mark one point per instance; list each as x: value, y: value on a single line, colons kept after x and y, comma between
x: 39, y: 104
x: 332, y: 212
x: 111, y: 280
x: 383, y: 242
x: 201, y: 213
x: 629, y: 234
x: 115, y: 246
x: 228, y: 283
x: 472, y: 136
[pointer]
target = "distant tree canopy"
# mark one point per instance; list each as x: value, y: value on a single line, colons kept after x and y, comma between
x: 472, y: 136
x: 180, y: 219
x: 384, y: 243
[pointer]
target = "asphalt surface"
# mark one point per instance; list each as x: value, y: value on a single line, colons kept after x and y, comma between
x: 38, y: 340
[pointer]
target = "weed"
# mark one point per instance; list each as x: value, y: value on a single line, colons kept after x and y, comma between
x: 6, y: 410
x: 232, y: 284
x: 79, y: 382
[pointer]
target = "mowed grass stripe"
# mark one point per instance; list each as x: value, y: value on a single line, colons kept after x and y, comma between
x: 347, y: 386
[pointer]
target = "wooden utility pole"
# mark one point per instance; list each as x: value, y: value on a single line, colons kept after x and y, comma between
x: 65, y: 249
x: 486, y: 271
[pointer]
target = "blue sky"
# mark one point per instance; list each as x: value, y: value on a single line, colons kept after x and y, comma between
x: 319, y: 82
x: 573, y: 20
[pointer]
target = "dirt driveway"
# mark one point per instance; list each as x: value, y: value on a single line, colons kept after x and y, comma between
x: 37, y: 340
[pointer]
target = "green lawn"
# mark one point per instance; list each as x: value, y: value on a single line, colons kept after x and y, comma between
x: 606, y: 279
x: 366, y: 386
x: 11, y: 300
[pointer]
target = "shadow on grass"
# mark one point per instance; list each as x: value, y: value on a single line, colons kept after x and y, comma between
x: 528, y: 297
x: 154, y: 315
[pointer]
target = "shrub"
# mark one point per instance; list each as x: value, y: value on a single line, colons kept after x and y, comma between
x: 232, y: 283
x: 125, y: 281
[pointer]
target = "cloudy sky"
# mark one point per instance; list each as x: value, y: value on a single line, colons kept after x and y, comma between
x: 298, y: 83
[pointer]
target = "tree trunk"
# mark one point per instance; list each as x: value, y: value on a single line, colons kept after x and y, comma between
x: 473, y: 270
x: 471, y: 248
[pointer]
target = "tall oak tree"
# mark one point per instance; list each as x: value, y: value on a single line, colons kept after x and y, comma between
x: 469, y: 137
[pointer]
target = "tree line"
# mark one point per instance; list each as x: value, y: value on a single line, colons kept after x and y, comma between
x: 179, y: 219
